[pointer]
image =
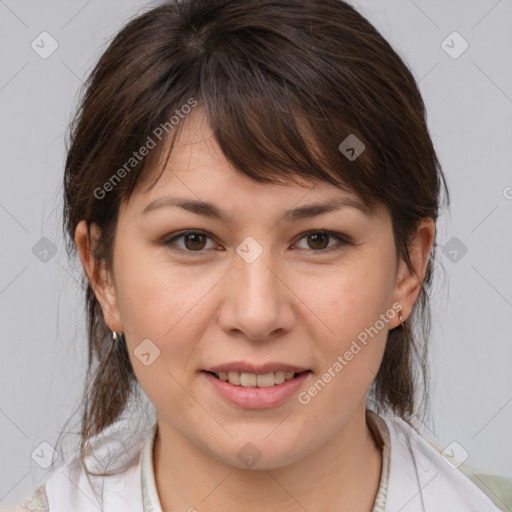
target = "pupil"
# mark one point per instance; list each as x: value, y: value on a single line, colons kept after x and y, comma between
x: 190, y: 237
x: 321, y: 235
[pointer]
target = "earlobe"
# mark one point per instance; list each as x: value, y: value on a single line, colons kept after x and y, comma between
x: 409, y: 282
x: 98, y: 274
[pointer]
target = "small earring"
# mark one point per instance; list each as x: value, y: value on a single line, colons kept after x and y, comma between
x: 401, y: 317
x: 115, y: 336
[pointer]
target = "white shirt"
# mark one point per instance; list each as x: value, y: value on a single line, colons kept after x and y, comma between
x: 415, y: 477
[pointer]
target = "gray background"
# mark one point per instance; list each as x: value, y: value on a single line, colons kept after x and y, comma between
x: 469, y: 101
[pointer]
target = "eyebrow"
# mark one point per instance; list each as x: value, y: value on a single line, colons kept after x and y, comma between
x: 210, y: 210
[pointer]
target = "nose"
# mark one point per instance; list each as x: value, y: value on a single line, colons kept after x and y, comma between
x: 258, y: 300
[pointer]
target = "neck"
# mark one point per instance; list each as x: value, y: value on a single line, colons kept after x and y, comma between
x: 343, y: 473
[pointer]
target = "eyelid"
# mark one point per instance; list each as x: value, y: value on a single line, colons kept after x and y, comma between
x: 170, y: 242
x: 342, y: 240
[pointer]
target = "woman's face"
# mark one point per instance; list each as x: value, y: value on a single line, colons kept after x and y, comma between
x: 257, y: 286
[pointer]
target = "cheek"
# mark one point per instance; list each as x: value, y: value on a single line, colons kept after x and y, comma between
x: 351, y: 339
x: 349, y: 299
x: 346, y: 307
x: 156, y: 307
x: 153, y: 294
x: 167, y: 305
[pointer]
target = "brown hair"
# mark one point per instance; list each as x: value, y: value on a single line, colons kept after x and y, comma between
x: 282, y: 84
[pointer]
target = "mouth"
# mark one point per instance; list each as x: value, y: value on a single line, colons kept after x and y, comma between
x: 252, y: 380
x: 256, y: 391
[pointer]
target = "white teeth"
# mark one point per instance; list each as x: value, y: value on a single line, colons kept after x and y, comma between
x: 234, y: 378
x: 251, y: 380
x: 248, y: 380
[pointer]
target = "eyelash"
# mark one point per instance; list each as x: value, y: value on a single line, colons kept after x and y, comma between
x: 342, y: 239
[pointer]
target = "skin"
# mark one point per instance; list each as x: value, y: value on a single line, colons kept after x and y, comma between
x: 296, y: 303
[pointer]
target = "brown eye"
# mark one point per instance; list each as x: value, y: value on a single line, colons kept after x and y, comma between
x: 318, y: 240
x: 193, y: 241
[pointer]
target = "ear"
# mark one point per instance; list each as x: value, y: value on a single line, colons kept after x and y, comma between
x: 98, y: 275
x: 408, y: 284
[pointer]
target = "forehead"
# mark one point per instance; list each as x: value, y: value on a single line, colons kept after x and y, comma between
x: 196, y: 172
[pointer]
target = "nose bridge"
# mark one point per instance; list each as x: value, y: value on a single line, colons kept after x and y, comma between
x: 256, y: 298
x: 254, y: 271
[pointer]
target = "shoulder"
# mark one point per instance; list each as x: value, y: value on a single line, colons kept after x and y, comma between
x: 497, y: 487
x: 37, y: 502
x: 110, y: 479
x: 436, y: 472
x: 111, y: 474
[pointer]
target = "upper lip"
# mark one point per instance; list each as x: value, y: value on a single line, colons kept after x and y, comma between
x: 259, y: 369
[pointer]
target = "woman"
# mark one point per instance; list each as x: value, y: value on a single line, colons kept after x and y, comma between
x: 253, y: 192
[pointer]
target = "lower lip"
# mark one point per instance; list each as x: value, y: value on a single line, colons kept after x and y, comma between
x: 257, y: 398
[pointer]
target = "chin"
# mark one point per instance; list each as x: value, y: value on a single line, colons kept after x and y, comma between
x: 258, y: 452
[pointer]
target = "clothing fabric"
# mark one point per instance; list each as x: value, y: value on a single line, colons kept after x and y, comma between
x: 415, y: 477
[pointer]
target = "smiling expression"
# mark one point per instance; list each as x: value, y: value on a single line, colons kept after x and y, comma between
x: 212, y: 268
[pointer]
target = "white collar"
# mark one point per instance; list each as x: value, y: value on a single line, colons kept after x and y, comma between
x: 420, y: 479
